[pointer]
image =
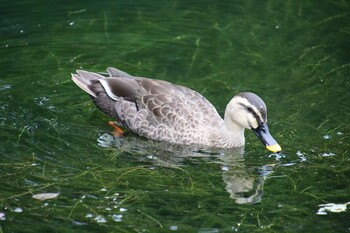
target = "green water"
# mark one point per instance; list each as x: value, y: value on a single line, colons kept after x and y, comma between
x: 294, y: 54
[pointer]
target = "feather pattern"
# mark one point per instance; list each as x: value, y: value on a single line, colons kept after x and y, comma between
x: 163, y: 111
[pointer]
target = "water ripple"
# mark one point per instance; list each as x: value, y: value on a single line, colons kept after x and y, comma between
x: 5, y: 87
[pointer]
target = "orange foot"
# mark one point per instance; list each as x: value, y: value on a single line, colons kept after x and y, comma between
x: 118, y: 132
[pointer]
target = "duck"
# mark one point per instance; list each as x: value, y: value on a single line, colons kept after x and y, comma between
x: 163, y: 111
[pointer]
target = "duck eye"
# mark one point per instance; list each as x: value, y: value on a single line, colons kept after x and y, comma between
x: 249, y: 109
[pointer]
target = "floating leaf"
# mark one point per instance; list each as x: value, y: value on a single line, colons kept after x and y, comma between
x: 45, y: 196
x: 331, y: 207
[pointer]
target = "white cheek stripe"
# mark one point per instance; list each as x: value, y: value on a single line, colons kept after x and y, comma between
x: 245, y: 102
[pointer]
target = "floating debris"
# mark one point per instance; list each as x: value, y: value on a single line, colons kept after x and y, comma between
x: 331, y: 207
x: 76, y: 223
x: 45, y: 196
x: 18, y: 210
x: 327, y: 136
x: 88, y: 216
x: 100, y: 219
x: 224, y: 168
x: 327, y: 154
x: 117, y: 217
x: 2, y: 216
x: 123, y: 209
x: 288, y: 164
x: 173, y: 228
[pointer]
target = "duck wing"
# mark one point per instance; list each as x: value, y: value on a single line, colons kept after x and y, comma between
x: 152, y: 108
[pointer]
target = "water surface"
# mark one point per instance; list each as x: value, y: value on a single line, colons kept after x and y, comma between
x: 293, y: 54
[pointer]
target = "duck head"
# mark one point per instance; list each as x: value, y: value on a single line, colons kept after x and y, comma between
x: 248, y: 110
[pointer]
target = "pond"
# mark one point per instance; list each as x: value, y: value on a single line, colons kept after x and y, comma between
x: 61, y: 170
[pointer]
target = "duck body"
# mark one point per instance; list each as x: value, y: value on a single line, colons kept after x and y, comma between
x: 160, y: 110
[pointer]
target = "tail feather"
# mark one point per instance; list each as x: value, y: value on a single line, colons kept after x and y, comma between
x: 87, y: 80
x: 84, y: 81
x: 114, y: 72
x: 89, y: 75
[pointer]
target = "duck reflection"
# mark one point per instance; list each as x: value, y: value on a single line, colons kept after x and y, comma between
x: 243, y: 183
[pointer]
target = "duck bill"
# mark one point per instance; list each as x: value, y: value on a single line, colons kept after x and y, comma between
x: 262, y: 132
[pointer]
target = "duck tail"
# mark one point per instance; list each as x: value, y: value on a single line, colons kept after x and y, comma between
x: 85, y: 79
x: 114, y: 72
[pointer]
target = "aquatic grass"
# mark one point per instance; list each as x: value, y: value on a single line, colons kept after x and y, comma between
x: 293, y: 54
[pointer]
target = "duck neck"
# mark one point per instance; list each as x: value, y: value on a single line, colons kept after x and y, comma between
x: 234, y: 133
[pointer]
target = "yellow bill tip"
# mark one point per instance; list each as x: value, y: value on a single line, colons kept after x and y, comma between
x: 274, y: 148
